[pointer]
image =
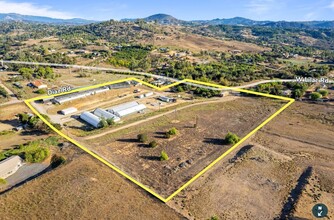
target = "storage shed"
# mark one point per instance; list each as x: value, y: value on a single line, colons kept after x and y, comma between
x: 91, y: 119
x: 68, y: 111
x: 9, y: 166
x: 148, y: 94
x: 104, y: 114
x: 122, y: 107
x: 130, y: 110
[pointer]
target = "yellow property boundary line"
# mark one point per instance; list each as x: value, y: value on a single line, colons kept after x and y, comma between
x: 290, y: 101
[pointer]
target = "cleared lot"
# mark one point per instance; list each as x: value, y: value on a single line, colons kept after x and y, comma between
x: 189, y: 151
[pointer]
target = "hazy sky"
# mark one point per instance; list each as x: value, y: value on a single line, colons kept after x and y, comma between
x: 296, y: 10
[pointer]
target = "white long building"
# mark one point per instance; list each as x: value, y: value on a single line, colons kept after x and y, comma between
x: 130, y: 110
x: 122, y: 107
x: 126, y: 109
x: 91, y: 119
x: 78, y: 95
x: 68, y: 111
x: 104, y: 114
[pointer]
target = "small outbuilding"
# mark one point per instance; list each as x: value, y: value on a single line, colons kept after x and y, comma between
x: 38, y: 84
x: 130, y: 110
x: 9, y: 166
x: 122, y: 107
x: 68, y: 111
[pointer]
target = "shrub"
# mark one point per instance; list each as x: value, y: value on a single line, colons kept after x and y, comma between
x: 3, y: 181
x: 167, y: 135
x: 231, y: 138
x: 57, y: 160
x: 110, y: 121
x: 41, y: 91
x: 57, y: 126
x: 173, y: 131
x: 142, y: 138
x: 153, y: 144
x: 103, y: 123
x: 323, y: 92
x: 315, y: 96
x: 3, y: 92
x: 37, y: 156
x: 164, y: 156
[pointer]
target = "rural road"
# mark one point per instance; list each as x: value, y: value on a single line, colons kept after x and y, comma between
x: 133, y: 72
x: 225, y: 99
x: 264, y: 81
x: 13, y: 98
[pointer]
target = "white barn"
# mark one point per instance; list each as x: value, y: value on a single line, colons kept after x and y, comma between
x: 9, y: 166
x: 104, y: 114
x: 130, y: 110
x: 122, y: 107
x: 91, y: 119
x: 68, y: 111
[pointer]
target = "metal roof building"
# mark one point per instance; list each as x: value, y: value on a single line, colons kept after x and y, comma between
x: 77, y: 95
x: 9, y: 166
x: 122, y: 107
x: 104, y: 114
x: 130, y: 110
x: 68, y: 111
x: 91, y: 119
x: 121, y: 85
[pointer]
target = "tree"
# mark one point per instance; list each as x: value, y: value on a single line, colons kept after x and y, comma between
x: 111, y: 121
x: 316, y: 96
x: 153, y: 144
x: 164, y: 156
x: 3, y: 92
x: 298, y: 93
x: 142, y: 138
x: 173, y: 131
x: 41, y: 72
x: 231, y: 138
x: 26, y: 73
x: 179, y: 89
x: 323, y: 92
x: 41, y: 91
x: 103, y: 123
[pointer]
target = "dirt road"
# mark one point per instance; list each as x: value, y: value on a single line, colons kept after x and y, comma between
x: 225, y: 99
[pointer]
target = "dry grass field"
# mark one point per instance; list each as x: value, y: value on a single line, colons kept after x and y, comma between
x: 189, y: 151
x: 82, y: 189
x: 281, y: 174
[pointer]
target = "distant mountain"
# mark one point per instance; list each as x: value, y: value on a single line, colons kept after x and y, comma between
x: 231, y: 21
x: 39, y: 19
x: 160, y: 19
x: 170, y: 20
x: 301, y: 24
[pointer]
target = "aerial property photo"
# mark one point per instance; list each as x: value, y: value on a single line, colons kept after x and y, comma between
x: 197, y: 110
x: 158, y: 137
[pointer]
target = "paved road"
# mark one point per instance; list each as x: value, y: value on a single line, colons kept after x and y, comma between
x: 25, y: 172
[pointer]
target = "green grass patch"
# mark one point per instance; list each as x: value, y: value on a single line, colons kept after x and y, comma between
x: 3, y: 181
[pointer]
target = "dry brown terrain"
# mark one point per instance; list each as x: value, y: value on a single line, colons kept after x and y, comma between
x: 282, y: 172
x: 198, y: 43
x: 189, y: 151
x: 82, y: 189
